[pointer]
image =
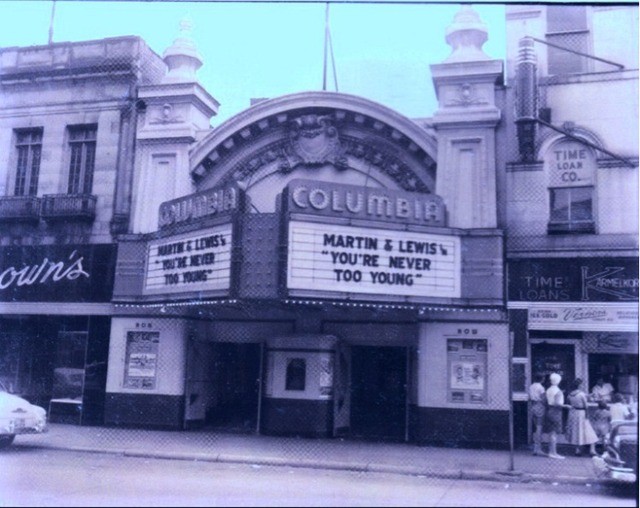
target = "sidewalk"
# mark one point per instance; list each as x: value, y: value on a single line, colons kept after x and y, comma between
x: 337, y: 454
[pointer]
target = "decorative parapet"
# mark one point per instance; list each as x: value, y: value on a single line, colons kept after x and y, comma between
x: 125, y: 55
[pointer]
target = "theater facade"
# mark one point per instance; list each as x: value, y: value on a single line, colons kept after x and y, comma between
x: 317, y: 265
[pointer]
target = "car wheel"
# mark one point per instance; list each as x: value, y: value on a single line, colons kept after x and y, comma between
x: 6, y: 440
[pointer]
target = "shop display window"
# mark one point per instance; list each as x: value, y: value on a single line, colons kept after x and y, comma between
x: 619, y: 370
x: 68, y: 372
x: 14, y: 366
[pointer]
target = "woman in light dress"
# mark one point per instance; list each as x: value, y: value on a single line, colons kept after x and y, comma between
x: 579, y: 431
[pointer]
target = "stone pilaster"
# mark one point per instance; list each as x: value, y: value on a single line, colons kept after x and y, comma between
x: 175, y: 110
x: 465, y: 121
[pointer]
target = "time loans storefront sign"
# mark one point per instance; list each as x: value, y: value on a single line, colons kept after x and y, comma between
x: 192, y: 262
x: 348, y: 259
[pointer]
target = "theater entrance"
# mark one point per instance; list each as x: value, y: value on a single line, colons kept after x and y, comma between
x: 379, y: 392
x: 223, y: 385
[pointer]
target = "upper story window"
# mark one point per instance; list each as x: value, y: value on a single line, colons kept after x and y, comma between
x: 571, y: 168
x: 567, y: 27
x: 29, y: 153
x: 82, y: 145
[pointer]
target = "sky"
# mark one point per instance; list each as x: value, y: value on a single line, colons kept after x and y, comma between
x: 382, y: 51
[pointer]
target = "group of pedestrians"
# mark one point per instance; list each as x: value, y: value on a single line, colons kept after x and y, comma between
x: 547, y: 415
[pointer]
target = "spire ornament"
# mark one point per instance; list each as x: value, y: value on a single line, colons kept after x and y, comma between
x: 466, y: 36
x: 182, y: 57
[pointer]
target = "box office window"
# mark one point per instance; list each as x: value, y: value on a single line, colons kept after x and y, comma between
x: 29, y: 153
x: 296, y: 374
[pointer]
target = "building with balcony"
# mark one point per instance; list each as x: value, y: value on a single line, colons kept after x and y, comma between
x: 67, y: 131
x: 570, y: 187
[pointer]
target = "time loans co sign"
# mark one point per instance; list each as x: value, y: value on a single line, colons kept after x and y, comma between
x: 369, y: 260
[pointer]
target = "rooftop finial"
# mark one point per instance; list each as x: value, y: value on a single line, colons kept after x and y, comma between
x: 466, y: 35
x: 182, y: 57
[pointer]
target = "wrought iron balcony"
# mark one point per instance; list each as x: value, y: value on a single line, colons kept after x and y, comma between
x: 69, y: 207
x: 19, y: 208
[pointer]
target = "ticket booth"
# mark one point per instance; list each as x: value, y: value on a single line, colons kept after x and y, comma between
x: 299, y: 386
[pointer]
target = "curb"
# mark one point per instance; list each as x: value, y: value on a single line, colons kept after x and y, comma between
x: 450, y: 474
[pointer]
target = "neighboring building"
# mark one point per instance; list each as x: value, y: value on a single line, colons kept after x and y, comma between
x: 571, y: 194
x: 317, y: 264
x: 67, y: 132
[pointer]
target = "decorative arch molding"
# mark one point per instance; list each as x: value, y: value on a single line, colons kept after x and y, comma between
x: 312, y: 129
x: 547, y: 140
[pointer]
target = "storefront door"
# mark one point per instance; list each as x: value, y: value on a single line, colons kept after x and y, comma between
x: 378, y: 392
x: 547, y: 357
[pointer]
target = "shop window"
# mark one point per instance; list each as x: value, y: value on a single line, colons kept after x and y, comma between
x: 82, y: 154
x: 68, y: 373
x: 571, y: 210
x: 567, y: 28
x: 29, y: 153
x: 296, y: 374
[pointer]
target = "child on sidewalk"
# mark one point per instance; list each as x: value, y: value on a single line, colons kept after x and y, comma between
x: 601, y: 422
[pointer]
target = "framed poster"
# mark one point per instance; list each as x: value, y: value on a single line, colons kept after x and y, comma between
x: 141, y: 360
x: 467, y: 368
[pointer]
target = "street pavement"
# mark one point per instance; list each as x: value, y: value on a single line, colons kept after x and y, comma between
x: 335, y: 454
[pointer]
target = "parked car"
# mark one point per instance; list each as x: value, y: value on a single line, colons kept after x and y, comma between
x: 18, y: 416
x: 619, y: 462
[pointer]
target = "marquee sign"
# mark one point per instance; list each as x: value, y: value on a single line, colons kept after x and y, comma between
x: 201, y: 205
x: 198, y: 261
x: 323, y: 257
x: 357, y: 202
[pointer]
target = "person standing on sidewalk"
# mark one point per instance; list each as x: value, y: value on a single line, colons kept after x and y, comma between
x: 538, y: 408
x: 553, y: 420
x: 579, y: 429
x: 619, y: 410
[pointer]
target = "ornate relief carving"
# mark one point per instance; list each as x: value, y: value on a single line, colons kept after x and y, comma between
x: 466, y: 95
x: 313, y: 140
x: 387, y: 162
x: 167, y: 116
